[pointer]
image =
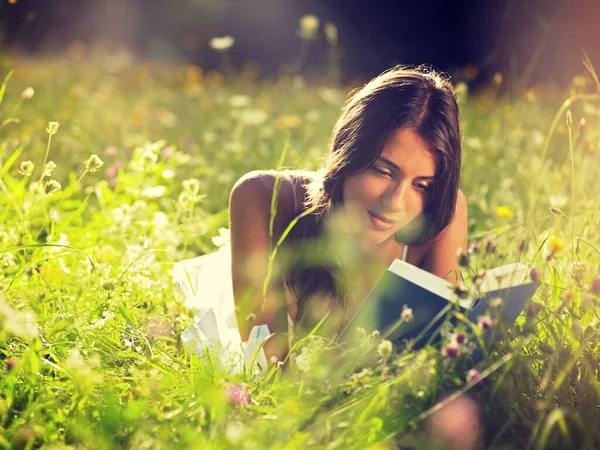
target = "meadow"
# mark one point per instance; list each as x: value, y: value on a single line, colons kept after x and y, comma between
x: 112, y: 169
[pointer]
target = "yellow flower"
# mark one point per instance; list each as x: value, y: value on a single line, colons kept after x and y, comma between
x: 504, y: 212
x: 556, y: 244
x: 221, y: 43
x: 497, y: 78
x: 288, y: 121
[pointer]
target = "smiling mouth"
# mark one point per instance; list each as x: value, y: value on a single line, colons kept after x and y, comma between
x: 380, y: 223
x: 382, y: 218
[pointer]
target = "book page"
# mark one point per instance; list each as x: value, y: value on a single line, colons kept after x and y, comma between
x: 503, y: 277
x: 426, y: 280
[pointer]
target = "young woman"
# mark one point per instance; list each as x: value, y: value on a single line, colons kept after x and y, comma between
x: 391, y: 184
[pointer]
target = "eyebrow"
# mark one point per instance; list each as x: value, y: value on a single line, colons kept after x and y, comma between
x: 387, y: 161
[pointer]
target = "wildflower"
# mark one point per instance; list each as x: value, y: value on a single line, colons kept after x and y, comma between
x: 273, y: 359
x: 191, y: 186
x: 167, y: 152
x: 522, y: 245
x: 375, y: 334
x: 154, y: 192
x: 555, y: 211
x: 108, y: 285
x: 504, y: 212
x: 473, y: 248
x: 361, y: 333
x: 385, y: 349
x: 490, y: 244
x: 239, y: 101
x: 110, y: 151
x: 450, y: 350
x: 221, y: 44
x: 223, y: 238
x: 253, y: 116
x: 148, y: 158
x: 11, y: 363
x: 93, y: 163
x: 52, y: 128
x: 331, y: 33
x: 534, y: 274
x: 568, y: 296
x: 556, y: 244
x: 485, y: 322
x: 473, y: 376
x: 460, y: 337
x: 26, y: 168
x: 82, y: 370
x: 49, y: 168
x: 596, y: 286
x: 463, y: 258
x: 461, y: 291
x: 558, y: 201
x: 587, y: 301
x: 461, y: 89
x: 309, y: 25
x: 578, y: 271
x: 496, y: 302
x: 52, y: 186
x: 406, y: 314
x: 27, y: 93
x: 497, y: 78
x: 288, y: 121
x: 569, y: 118
x: 532, y: 310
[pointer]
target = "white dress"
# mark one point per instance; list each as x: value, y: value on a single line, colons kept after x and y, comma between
x: 206, y: 285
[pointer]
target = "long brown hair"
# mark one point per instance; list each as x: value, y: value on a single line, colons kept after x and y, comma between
x: 400, y: 98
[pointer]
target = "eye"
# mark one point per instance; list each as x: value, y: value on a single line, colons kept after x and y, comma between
x: 423, y: 187
x: 381, y: 171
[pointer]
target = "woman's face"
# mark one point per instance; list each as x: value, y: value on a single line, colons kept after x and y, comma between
x: 393, y: 191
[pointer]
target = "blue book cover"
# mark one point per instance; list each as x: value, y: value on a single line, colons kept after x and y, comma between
x: 431, y: 298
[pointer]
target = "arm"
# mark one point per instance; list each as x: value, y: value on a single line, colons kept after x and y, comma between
x: 249, y: 210
x: 441, y: 258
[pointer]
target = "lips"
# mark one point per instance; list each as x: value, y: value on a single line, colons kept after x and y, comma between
x: 380, y: 223
x: 382, y: 218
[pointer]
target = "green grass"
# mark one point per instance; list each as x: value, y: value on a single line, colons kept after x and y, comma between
x: 90, y: 321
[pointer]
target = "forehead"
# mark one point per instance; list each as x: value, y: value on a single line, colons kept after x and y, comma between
x: 409, y: 151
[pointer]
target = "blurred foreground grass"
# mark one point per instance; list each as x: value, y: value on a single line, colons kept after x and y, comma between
x: 90, y: 325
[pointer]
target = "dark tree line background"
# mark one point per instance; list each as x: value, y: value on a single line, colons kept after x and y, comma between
x: 531, y: 40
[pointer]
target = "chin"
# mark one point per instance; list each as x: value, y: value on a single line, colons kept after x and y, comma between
x: 379, y: 237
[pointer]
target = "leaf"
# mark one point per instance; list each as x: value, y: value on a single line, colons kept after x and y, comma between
x: 62, y: 325
x: 128, y: 316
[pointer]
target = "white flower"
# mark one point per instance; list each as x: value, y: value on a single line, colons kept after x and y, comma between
x: 558, y: 201
x: 221, y: 43
x: 168, y: 174
x: 50, y: 166
x: 191, y: 186
x: 93, y: 163
x: 223, y: 238
x: 239, y: 101
x: 21, y: 324
x: 406, y: 314
x: 154, y: 192
x: 27, y: 93
x: 331, y: 33
x: 253, y: 116
x: 461, y: 89
x: 309, y: 25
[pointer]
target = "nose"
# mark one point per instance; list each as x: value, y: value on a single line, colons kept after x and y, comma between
x: 394, y: 199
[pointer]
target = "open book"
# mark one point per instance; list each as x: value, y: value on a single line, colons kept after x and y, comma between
x: 431, y: 298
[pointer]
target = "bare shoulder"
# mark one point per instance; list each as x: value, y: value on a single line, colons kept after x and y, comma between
x: 255, y: 190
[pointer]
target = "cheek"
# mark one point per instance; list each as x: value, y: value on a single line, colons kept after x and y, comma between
x: 362, y: 190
